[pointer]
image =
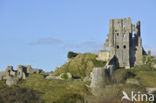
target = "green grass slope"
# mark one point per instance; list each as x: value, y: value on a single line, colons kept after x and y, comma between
x: 36, y: 89
x: 81, y: 65
x: 16, y: 94
x: 56, y: 91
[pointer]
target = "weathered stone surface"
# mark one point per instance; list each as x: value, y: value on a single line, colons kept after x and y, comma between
x: 21, y: 72
x: 150, y: 90
x: 12, y: 73
x: 11, y: 81
x: 133, y: 81
x: 9, y: 71
x: 9, y: 68
x: 100, y: 75
x: 24, y: 70
x: 69, y: 75
x: 97, y: 81
x: 97, y: 78
x: 154, y: 66
x: 52, y: 77
x: 103, y: 55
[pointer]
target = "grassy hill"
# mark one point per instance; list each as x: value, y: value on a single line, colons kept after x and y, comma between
x: 81, y: 65
x: 36, y: 89
x: 56, y: 90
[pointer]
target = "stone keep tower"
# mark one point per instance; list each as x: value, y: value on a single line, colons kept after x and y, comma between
x: 124, y: 42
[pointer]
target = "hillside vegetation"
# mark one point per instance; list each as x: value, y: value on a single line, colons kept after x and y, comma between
x: 56, y: 91
x: 16, y: 94
x: 81, y: 65
x: 37, y: 89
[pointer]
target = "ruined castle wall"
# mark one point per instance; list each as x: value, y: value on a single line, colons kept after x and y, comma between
x: 103, y: 55
x: 136, y: 50
x: 124, y: 42
x: 120, y: 29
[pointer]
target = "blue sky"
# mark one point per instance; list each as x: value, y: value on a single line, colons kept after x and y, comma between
x: 41, y: 32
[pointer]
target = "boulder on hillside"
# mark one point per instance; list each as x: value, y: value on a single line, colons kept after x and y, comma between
x: 154, y: 66
x: 132, y: 81
x: 150, y: 90
x: 11, y: 81
x: 52, y: 77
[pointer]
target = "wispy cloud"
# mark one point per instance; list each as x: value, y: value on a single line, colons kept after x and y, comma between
x: 47, y: 41
x: 89, y: 46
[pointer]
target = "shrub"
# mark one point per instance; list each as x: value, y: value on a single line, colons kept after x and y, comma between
x: 154, y: 61
x: 146, y: 78
x: 64, y: 76
x: 121, y: 75
x: 81, y: 65
x: 2, y: 84
x: 143, y: 59
x: 100, y: 63
x: 148, y: 60
x: 71, y: 54
x: 70, y: 98
x: 138, y: 68
x: 54, y: 90
x: 19, y: 95
x: 113, y: 93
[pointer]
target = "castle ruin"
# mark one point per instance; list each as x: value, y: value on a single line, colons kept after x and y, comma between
x: 123, y: 48
x: 12, y: 76
x: 124, y: 42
